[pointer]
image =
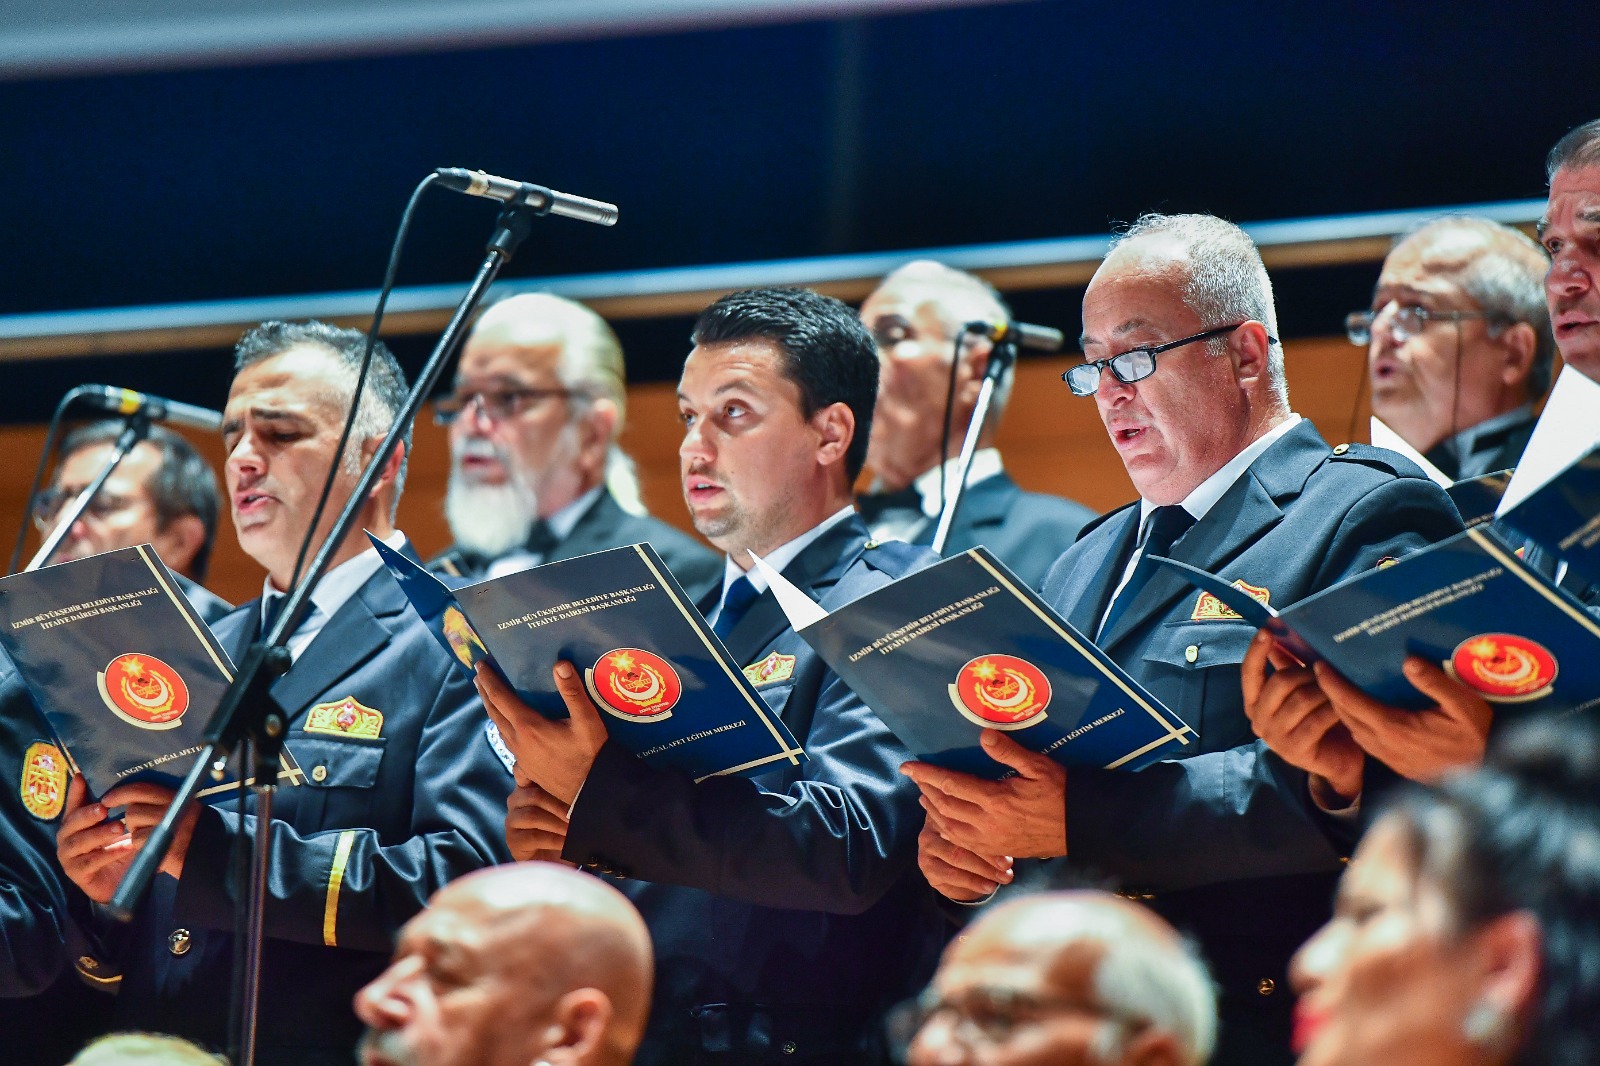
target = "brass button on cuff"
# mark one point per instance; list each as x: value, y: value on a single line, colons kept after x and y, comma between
x: 1266, y: 986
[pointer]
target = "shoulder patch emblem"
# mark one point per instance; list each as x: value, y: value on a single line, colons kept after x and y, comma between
x: 44, y: 781
x: 1386, y: 562
x: 1210, y: 609
x: 771, y: 670
x: 345, y: 718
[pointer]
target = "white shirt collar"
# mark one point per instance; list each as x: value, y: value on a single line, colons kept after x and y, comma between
x: 985, y: 464
x: 784, y: 554
x: 563, y: 521
x: 341, y: 582
x: 1208, y: 492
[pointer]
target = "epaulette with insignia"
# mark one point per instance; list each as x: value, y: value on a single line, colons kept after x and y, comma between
x: 1377, y: 458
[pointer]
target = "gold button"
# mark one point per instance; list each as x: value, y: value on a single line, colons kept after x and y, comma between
x: 1340, y: 450
x: 789, y: 1047
x: 319, y: 774
x: 1266, y: 986
x: 1191, y: 653
x: 179, y: 942
x: 869, y: 545
x: 87, y: 962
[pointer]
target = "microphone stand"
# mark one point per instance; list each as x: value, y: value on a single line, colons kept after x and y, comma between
x: 1001, y: 358
x: 134, y: 429
x: 247, y: 715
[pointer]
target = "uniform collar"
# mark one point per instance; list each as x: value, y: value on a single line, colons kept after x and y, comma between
x: 784, y: 554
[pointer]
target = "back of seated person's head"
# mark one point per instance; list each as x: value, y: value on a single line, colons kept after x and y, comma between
x: 144, y: 1049
x: 514, y: 965
x: 1476, y: 916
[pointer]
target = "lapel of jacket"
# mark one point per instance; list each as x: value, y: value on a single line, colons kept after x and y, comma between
x: 814, y: 571
x: 593, y: 532
x: 984, y: 503
x: 1247, y: 510
x: 1105, y: 555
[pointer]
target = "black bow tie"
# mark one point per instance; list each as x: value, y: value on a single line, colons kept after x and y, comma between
x: 876, y: 504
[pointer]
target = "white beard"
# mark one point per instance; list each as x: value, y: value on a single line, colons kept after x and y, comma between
x: 490, y: 520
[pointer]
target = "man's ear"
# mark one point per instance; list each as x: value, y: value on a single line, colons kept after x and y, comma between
x: 391, y: 469
x: 179, y: 542
x: 577, y: 1031
x: 836, y: 428
x: 1518, y: 342
x: 1251, y: 352
x: 595, y: 429
x: 974, y: 362
x: 1509, y: 950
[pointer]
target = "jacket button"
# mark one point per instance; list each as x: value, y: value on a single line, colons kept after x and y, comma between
x: 88, y: 962
x: 1191, y: 653
x: 789, y: 1047
x: 319, y: 774
x: 1266, y: 986
x: 1340, y: 450
x: 179, y: 942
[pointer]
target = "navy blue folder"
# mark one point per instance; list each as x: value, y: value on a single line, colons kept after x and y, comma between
x: 963, y: 646
x: 1563, y: 515
x: 670, y: 692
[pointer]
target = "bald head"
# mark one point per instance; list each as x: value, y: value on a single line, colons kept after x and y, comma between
x: 509, y: 965
x: 1095, y: 979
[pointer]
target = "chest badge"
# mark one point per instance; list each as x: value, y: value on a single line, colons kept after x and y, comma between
x: 44, y: 781
x: 771, y: 670
x: 1210, y: 609
x: 345, y: 718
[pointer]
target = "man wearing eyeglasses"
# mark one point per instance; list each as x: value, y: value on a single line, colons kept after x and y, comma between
x: 1183, y: 361
x: 1458, y: 343
x: 536, y: 472
x: 916, y: 317
x: 1066, y: 979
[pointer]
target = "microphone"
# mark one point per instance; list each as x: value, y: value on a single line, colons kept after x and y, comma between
x: 129, y: 402
x: 477, y: 183
x: 1033, y: 338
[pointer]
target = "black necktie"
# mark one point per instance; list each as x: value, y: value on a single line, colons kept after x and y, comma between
x: 735, y: 602
x: 270, y: 610
x: 1162, y: 530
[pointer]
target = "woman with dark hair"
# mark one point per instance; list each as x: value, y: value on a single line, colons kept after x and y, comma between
x: 1467, y: 927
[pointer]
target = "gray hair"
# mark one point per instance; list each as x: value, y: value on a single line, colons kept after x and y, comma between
x: 591, y: 367
x: 382, y: 398
x: 1146, y: 977
x: 957, y: 298
x: 1225, y: 280
x: 1579, y: 148
x: 1505, y: 277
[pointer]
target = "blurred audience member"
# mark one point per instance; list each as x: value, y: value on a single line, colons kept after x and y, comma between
x: 527, y: 963
x: 1467, y: 926
x: 144, y: 1049
x: 1065, y: 978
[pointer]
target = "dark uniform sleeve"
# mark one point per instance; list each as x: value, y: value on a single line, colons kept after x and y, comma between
x: 350, y: 886
x: 1242, y: 812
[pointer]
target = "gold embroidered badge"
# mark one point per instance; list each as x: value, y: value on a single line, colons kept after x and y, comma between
x: 1389, y: 560
x: 44, y: 780
x: 772, y: 669
x: 345, y: 718
x: 1210, y: 609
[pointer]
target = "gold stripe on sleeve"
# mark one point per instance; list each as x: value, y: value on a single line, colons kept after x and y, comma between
x: 330, y: 911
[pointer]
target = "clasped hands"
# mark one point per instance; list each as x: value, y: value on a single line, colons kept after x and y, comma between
x: 553, y: 758
x: 1318, y: 721
x: 96, y: 851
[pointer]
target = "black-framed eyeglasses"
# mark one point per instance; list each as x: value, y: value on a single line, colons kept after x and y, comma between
x: 1135, y: 364
x: 1409, y: 321
x: 497, y: 404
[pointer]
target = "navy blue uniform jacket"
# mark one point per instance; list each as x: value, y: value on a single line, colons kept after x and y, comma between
x: 374, y: 828
x: 787, y: 911
x: 1226, y: 843
x: 1027, y: 531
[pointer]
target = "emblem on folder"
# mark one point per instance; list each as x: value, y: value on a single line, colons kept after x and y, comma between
x: 143, y: 691
x: 44, y: 780
x: 1210, y: 609
x: 1503, y: 667
x: 1001, y: 692
x: 345, y: 718
x: 635, y: 685
x: 772, y: 669
x: 462, y: 638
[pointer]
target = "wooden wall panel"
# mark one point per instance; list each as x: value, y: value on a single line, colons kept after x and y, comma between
x: 1052, y: 441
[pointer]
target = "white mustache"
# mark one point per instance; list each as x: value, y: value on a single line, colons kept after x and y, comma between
x: 481, y: 448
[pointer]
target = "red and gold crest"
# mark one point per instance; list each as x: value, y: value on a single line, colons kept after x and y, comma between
x: 1503, y: 667
x: 44, y: 780
x: 143, y: 691
x: 635, y: 685
x: 348, y: 717
x: 1210, y: 609
x: 1001, y: 692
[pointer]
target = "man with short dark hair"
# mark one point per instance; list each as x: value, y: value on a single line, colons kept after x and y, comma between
x: 401, y: 790
x: 1570, y: 232
x: 1082, y: 978
x: 786, y: 909
x: 536, y: 472
x: 1231, y: 843
x: 916, y: 317
x: 525, y: 963
x: 1458, y: 343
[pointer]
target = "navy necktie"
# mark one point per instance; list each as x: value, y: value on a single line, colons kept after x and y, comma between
x: 1165, y: 526
x: 735, y: 602
x: 270, y: 612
